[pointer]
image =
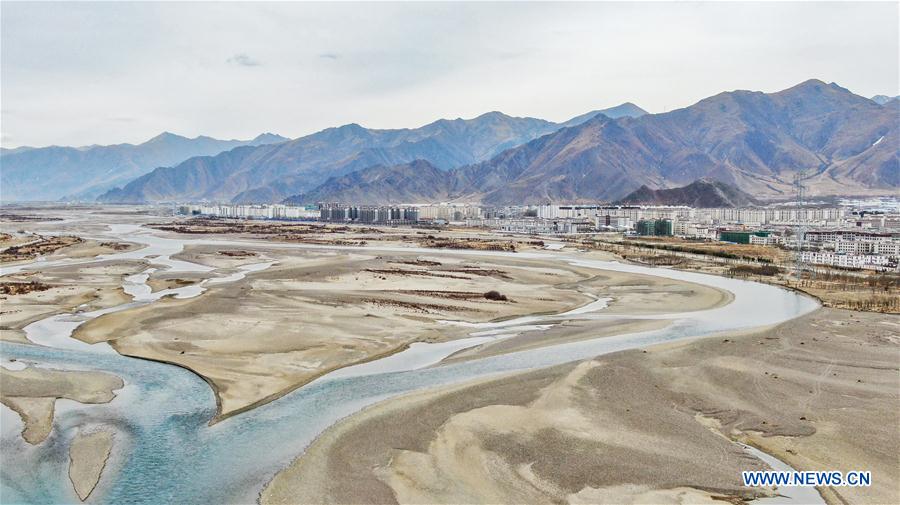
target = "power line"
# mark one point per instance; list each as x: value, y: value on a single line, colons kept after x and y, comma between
x: 800, y: 227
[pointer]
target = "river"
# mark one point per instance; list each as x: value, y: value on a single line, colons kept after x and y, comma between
x: 165, y: 452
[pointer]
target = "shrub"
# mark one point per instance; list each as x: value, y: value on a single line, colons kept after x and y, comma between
x: 495, y: 296
x: 768, y: 270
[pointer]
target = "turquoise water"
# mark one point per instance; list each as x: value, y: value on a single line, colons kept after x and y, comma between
x: 165, y: 452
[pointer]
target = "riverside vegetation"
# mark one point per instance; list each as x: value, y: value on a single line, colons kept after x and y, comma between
x: 863, y: 290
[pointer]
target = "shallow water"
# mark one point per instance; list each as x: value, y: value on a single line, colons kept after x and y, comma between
x: 165, y: 452
x: 787, y: 495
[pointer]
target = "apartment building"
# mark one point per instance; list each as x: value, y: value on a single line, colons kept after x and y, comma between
x: 273, y: 211
x: 881, y: 247
x: 825, y: 236
x: 865, y: 261
x: 449, y: 212
x: 551, y: 211
x: 340, y: 213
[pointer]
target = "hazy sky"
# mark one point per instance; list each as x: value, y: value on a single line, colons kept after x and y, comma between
x: 77, y: 74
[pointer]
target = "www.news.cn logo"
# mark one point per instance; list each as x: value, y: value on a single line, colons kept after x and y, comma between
x: 806, y: 479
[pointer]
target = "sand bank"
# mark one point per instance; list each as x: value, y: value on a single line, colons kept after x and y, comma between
x: 87, y: 458
x: 316, y: 311
x: 819, y: 392
x: 313, y: 312
x: 71, y: 288
x: 32, y: 393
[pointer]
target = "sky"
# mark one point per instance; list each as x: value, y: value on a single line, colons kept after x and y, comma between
x: 105, y: 73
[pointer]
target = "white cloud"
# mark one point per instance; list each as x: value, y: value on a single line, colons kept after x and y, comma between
x: 66, y: 68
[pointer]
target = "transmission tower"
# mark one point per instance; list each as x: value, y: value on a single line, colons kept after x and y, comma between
x: 800, y: 226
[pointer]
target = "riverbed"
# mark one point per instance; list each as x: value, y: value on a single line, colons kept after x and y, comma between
x: 165, y: 450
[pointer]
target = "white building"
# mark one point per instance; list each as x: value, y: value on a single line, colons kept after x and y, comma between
x: 824, y: 236
x: 449, y: 212
x: 767, y: 240
x: 274, y: 211
x: 868, y: 261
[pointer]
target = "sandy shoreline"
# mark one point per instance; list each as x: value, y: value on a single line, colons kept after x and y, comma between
x: 433, y: 446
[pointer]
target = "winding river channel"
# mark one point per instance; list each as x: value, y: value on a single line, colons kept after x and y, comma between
x: 165, y: 451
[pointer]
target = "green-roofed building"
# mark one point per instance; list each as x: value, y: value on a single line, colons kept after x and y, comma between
x: 741, y: 237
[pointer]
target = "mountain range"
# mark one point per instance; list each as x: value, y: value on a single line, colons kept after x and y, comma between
x: 627, y: 109
x: 271, y: 173
x: 53, y: 173
x: 834, y: 141
x: 700, y: 193
x: 883, y: 99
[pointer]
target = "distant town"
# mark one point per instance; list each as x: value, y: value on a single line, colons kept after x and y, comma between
x: 853, y: 235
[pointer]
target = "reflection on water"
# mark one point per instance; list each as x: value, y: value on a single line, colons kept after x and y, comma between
x: 165, y: 451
